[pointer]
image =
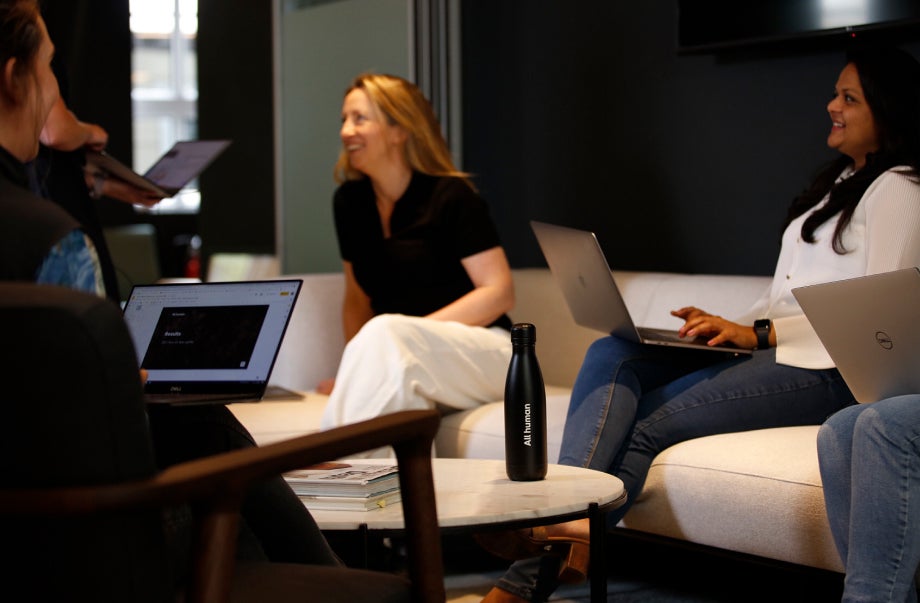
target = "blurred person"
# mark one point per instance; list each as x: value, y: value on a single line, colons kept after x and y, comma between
x: 427, y: 283
x: 40, y: 242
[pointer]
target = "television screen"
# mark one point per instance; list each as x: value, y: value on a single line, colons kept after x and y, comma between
x: 714, y: 24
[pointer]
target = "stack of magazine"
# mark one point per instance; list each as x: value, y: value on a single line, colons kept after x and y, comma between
x: 346, y: 486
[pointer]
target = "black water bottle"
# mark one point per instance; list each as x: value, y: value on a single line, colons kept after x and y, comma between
x: 525, y: 409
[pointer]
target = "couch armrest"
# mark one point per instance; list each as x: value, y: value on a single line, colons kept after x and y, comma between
x: 314, y: 341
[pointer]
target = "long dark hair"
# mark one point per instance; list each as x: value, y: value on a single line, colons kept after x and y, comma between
x: 890, y: 79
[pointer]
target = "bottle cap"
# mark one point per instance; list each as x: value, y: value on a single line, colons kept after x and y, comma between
x: 523, y: 332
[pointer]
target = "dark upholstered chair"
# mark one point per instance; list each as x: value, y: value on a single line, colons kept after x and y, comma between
x: 81, y: 502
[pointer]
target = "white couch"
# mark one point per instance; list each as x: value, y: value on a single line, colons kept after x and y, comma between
x: 756, y: 492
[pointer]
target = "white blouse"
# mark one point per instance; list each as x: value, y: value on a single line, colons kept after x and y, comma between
x: 883, y: 235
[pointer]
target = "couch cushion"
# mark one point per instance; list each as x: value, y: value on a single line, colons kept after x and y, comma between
x: 756, y: 492
x: 272, y: 421
x: 479, y: 433
x: 650, y: 296
x: 314, y: 341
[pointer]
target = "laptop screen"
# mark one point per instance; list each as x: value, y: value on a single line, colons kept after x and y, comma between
x: 183, y: 162
x: 209, y: 333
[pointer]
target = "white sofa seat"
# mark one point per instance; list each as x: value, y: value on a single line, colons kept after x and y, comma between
x: 756, y: 492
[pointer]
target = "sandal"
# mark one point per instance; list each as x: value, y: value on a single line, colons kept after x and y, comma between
x: 535, y: 542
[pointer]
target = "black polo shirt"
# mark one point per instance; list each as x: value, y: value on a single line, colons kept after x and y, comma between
x: 437, y: 222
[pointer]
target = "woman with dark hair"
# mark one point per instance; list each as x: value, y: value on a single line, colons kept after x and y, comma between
x: 630, y: 402
x: 427, y: 283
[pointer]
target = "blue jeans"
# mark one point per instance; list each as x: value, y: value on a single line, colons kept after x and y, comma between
x: 631, y: 401
x: 870, y: 467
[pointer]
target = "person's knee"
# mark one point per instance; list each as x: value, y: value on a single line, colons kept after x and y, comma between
x: 868, y: 423
x: 607, y: 350
x: 603, y: 346
x: 827, y: 439
x: 386, y: 328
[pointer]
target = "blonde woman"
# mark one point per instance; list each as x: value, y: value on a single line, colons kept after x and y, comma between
x: 427, y: 283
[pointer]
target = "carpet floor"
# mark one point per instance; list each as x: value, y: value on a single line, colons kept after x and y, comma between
x: 648, y: 572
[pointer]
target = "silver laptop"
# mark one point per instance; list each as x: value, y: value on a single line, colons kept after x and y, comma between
x: 203, y: 343
x: 870, y: 326
x: 578, y: 264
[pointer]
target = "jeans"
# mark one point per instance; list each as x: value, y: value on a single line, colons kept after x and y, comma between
x: 631, y: 401
x: 870, y: 467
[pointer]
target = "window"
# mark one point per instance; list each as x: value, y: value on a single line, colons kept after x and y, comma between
x: 164, y: 86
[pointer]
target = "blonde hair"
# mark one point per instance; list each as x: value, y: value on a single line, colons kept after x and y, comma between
x: 402, y: 104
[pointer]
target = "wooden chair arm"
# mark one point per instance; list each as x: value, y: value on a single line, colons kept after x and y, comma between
x: 222, y: 473
x: 217, y: 484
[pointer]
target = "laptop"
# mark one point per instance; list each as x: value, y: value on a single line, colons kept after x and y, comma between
x: 869, y: 326
x: 166, y: 177
x: 578, y: 264
x: 206, y: 343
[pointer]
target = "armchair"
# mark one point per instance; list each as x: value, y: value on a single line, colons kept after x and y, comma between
x: 81, y: 504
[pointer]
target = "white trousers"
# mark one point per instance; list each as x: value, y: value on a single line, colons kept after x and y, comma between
x: 399, y: 362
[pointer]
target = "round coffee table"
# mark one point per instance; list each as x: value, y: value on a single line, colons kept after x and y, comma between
x: 476, y: 495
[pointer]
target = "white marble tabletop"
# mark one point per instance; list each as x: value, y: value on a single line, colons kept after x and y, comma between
x: 472, y: 492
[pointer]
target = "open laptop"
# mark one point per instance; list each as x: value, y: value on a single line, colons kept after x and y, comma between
x: 209, y: 342
x: 166, y: 177
x: 578, y: 264
x: 870, y: 326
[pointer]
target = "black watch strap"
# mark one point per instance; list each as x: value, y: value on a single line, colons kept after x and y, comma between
x: 762, y: 330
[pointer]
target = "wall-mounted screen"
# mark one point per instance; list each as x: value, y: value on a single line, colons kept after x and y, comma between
x: 705, y: 25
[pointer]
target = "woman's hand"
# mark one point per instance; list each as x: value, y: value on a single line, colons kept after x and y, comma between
x: 115, y: 188
x: 715, y: 329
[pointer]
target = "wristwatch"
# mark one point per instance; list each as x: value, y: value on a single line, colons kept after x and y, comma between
x: 762, y: 328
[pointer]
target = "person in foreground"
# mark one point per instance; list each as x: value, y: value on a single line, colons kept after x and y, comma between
x: 60, y: 173
x: 631, y: 401
x: 427, y: 284
x: 40, y: 242
x: 869, y: 456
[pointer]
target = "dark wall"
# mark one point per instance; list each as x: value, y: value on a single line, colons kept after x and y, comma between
x: 235, y: 102
x: 582, y: 113
x: 93, y: 45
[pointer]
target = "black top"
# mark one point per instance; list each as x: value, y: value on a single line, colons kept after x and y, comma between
x: 436, y: 223
x: 58, y: 176
x: 29, y: 225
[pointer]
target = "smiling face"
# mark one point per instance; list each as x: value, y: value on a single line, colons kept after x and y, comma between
x: 372, y: 144
x: 853, y: 129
